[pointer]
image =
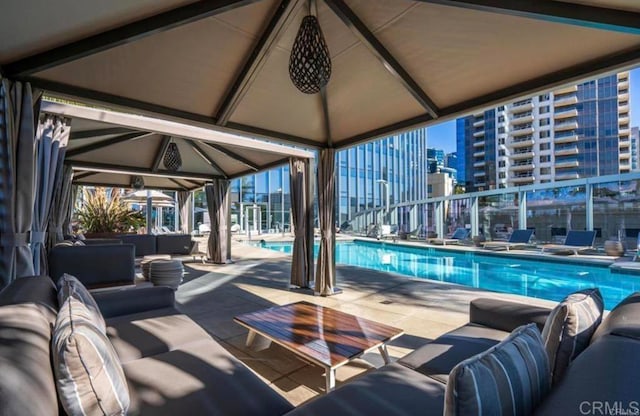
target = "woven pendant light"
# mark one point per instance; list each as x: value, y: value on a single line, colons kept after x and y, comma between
x: 172, y: 159
x: 310, y: 63
x: 137, y: 182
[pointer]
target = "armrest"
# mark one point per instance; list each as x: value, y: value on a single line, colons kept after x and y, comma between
x: 504, y: 315
x: 129, y: 301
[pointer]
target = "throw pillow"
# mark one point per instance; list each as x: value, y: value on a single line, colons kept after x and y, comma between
x: 510, y: 378
x: 89, y: 377
x: 70, y: 286
x: 569, y: 328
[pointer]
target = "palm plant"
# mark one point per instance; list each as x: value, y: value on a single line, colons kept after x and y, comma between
x: 104, y: 212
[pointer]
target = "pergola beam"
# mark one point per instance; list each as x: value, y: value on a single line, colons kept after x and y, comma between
x: 83, y: 175
x: 131, y: 170
x: 256, y: 59
x: 121, y: 35
x: 106, y: 143
x: 162, y: 149
x: 196, y: 148
x: 90, y: 134
x: 234, y: 155
x: 390, y: 63
x: 556, y: 12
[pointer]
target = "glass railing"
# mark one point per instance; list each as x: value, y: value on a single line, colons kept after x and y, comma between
x: 566, y: 133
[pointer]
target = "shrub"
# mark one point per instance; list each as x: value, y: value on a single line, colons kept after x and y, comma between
x: 104, y: 212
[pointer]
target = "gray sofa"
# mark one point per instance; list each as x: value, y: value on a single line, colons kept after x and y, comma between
x: 149, y: 244
x: 606, y: 372
x: 171, y: 364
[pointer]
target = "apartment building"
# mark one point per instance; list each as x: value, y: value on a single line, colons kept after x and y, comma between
x: 573, y: 132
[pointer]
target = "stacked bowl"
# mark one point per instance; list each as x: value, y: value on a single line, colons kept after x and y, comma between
x: 166, y: 273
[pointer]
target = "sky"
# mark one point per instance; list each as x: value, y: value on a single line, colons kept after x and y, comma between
x: 443, y: 136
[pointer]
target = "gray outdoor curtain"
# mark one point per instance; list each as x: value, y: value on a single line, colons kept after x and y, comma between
x: 67, y: 227
x: 19, y: 107
x: 326, y: 267
x: 62, y: 205
x: 51, y: 145
x: 218, y: 203
x: 301, y: 263
x: 183, y: 210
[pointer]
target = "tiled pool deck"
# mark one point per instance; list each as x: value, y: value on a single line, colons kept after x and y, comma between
x: 213, y: 294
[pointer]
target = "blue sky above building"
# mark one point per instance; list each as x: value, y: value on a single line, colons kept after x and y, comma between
x: 443, y: 135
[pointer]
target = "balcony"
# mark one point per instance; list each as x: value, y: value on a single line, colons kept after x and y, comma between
x: 566, y: 151
x: 479, y: 174
x: 523, y: 155
x: 623, y: 119
x: 623, y: 106
x: 522, y: 130
x: 566, y: 139
x: 623, y: 93
x: 566, y: 125
x: 478, y: 123
x: 479, y: 164
x: 479, y: 133
x: 522, y: 105
x: 479, y: 154
x: 522, y: 167
x: 565, y: 100
x: 566, y: 90
x: 478, y: 143
x: 523, y: 180
x: 518, y: 119
x: 523, y: 142
x: 566, y: 164
x: 570, y: 112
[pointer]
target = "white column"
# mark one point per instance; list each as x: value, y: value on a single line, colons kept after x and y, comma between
x: 522, y: 210
x: 474, y: 217
x: 589, y: 205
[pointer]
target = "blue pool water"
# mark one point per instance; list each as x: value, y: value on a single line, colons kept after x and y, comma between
x: 540, y: 279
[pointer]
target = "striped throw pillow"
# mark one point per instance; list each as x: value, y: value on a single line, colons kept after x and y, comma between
x: 510, y: 378
x: 70, y: 286
x: 89, y: 377
x: 569, y: 328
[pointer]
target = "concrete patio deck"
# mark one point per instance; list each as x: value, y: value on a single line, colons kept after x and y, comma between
x: 213, y: 294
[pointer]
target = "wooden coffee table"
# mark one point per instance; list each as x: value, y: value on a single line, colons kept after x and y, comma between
x: 326, y: 337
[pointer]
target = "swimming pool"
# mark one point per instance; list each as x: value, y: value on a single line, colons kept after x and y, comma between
x: 550, y: 280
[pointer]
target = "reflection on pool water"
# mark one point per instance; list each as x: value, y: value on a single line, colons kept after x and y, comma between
x: 549, y: 280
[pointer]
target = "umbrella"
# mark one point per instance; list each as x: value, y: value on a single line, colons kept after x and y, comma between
x: 158, y: 199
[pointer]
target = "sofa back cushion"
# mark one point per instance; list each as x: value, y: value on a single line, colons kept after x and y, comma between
x: 32, y: 289
x: 95, y: 265
x: 511, y: 378
x: 89, y: 377
x: 624, y: 319
x: 569, y: 328
x: 69, y: 286
x: 145, y: 244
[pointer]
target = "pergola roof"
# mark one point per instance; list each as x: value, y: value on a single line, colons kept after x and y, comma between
x: 108, y: 148
x: 397, y: 64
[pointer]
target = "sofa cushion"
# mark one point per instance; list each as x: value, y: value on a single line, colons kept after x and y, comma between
x: 624, y: 319
x: 27, y: 384
x: 199, y: 379
x: 505, y: 315
x: 605, y: 374
x: 179, y: 244
x: 89, y: 377
x: 569, y: 328
x: 391, y: 390
x: 145, y: 244
x: 437, y: 358
x: 32, y: 289
x: 152, y: 332
x: 511, y: 378
x: 70, y: 286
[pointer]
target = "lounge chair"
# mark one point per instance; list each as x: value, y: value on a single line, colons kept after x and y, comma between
x: 415, y: 233
x: 575, y: 242
x: 518, y: 239
x: 459, y: 235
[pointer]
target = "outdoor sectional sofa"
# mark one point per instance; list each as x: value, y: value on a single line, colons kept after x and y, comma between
x: 604, y: 374
x: 172, y: 366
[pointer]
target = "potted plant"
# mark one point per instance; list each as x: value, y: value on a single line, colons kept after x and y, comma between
x: 104, y: 214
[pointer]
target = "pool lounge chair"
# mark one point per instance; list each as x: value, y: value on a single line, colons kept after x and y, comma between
x: 575, y: 242
x: 415, y: 233
x: 459, y: 235
x: 518, y: 239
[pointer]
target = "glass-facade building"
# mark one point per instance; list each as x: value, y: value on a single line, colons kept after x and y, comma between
x: 365, y: 174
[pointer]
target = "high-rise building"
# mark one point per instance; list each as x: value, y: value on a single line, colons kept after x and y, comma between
x: 573, y: 132
x: 451, y: 160
x: 437, y: 154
